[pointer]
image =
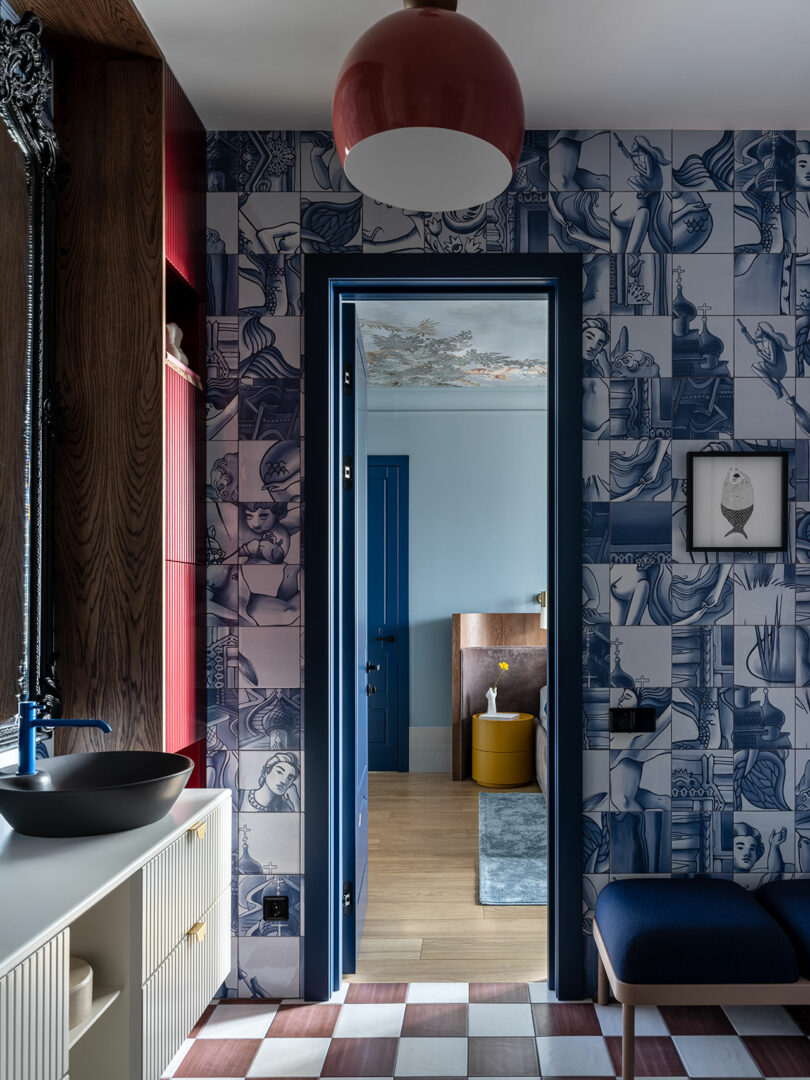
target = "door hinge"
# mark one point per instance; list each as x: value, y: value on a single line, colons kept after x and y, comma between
x: 348, y: 473
x: 348, y: 380
x: 348, y: 898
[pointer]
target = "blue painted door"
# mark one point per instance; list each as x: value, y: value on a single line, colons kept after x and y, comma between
x: 388, y: 613
x: 354, y: 642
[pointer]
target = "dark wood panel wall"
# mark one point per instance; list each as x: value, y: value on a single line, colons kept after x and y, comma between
x: 109, y: 349
x: 131, y: 251
x: 93, y: 27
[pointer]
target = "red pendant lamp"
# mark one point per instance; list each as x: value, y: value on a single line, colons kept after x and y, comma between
x: 427, y: 112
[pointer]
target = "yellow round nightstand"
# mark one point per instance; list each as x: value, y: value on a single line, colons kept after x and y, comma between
x: 503, y: 751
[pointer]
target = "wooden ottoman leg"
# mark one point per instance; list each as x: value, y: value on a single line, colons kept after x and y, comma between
x: 628, y: 1042
x: 603, y: 990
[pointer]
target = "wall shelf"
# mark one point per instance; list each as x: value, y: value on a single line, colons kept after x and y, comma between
x: 103, y: 998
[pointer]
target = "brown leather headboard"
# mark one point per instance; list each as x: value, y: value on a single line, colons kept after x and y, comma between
x: 480, y: 630
x: 519, y: 687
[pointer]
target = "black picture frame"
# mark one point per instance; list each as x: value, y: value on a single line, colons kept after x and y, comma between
x: 25, y: 105
x: 696, y: 459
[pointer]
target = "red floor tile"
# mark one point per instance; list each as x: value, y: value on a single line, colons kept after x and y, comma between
x: 304, y: 1022
x: 499, y: 993
x: 502, y: 1057
x: 780, y: 1055
x: 655, y: 1055
x: 376, y: 993
x: 696, y: 1020
x: 219, y: 1057
x: 441, y: 1020
x: 566, y: 1019
x: 360, y: 1057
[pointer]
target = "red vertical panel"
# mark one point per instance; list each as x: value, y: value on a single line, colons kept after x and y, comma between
x: 184, y: 186
x: 181, y: 573
x: 180, y: 504
x: 196, y: 751
x: 181, y: 691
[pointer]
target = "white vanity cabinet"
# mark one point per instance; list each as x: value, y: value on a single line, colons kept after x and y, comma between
x: 186, y: 948
x: 148, y: 909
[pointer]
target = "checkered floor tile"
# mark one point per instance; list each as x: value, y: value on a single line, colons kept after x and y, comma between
x: 390, y: 1031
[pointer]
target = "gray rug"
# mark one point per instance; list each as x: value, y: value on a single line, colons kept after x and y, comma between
x: 512, y: 848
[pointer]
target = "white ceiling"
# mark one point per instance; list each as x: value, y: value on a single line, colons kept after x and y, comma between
x: 254, y: 64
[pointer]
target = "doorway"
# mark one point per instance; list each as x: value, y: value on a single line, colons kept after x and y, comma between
x: 336, y: 709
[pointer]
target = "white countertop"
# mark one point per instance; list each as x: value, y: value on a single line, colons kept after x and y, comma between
x: 46, y: 883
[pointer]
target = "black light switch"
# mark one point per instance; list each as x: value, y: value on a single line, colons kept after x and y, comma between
x: 632, y: 720
x: 276, y: 908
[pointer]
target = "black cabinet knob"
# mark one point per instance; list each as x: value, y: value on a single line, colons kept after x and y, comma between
x: 371, y: 690
x: 372, y: 667
x: 389, y: 637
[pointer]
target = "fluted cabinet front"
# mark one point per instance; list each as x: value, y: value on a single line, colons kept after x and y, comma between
x: 34, y: 1015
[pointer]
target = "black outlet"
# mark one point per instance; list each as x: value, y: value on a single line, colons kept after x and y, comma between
x: 276, y: 908
x: 632, y: 720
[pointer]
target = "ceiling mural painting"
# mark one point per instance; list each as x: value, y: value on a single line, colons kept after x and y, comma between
x: 455, y: 343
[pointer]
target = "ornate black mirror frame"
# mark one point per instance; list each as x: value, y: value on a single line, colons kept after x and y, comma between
x: 25, y: 91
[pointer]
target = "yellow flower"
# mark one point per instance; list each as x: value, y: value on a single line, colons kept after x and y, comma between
x: 503, y: 665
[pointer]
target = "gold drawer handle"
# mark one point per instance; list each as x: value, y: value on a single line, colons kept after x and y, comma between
x: 197, y: 931
x: 199, y: 828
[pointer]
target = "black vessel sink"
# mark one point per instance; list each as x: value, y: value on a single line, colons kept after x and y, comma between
x: 90, y: 794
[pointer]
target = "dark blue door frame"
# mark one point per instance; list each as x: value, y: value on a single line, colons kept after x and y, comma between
x: 330, y: 279
x: 398, y: 559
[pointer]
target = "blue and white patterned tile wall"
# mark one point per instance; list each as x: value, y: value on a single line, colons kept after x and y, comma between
x: 694, y: 244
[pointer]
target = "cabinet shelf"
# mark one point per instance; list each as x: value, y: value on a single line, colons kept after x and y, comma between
x: 103, y: 998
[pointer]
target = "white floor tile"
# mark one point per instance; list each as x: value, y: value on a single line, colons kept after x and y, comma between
x: 238, y: 1022
x: 431, y: 1057
x: 370, y: 1021
x: 649, y: 1020
x: 290, y: 1057
x: 761, y: 1020
x: 511, y: 1019
x: 574, y: 1055
x: 438, y: 993
x: 715, y: 1055
x: 174, y: 1064
x: 339, y: 996
x: 540, y: 993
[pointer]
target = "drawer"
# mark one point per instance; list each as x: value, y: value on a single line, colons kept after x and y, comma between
x: 180, y: 989
x: 503, y: 736
x: 502, y: 770
x: 182, y: 881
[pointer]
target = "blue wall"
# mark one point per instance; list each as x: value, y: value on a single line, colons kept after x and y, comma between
x: 477, y: 526
x: 726, y: 215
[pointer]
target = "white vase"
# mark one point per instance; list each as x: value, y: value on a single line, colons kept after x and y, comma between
x: 492, y: 694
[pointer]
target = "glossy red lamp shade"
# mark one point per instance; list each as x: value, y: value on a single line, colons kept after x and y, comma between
x: 427, y: 112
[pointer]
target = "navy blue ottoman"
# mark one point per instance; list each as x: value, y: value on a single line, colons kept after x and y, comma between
x: 699, y: 941
x: 789, y: 904
x: 694, y: 930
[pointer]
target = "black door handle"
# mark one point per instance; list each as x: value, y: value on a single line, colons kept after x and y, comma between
x: 372, y: 667
x: 389, y: 637
x: 370, y: 689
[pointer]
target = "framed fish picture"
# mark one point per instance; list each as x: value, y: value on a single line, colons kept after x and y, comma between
x: 737, y: 501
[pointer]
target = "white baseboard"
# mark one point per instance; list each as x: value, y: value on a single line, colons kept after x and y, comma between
x: 430, y: 749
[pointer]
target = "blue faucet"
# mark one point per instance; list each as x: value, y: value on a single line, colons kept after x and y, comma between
x: 30, y: 721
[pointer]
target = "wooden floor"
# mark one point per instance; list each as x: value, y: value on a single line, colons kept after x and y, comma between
x: 424, y: 923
